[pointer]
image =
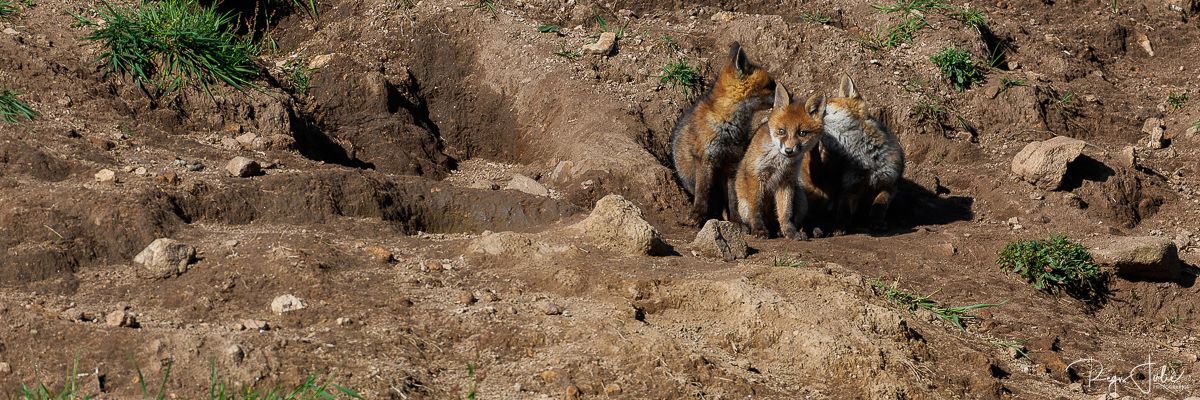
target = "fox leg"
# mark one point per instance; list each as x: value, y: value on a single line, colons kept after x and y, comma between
x: 789, y: 205
x: 700, y: 199
x: 750, y: 206
x: 731, y: 199
x: 879, y: 207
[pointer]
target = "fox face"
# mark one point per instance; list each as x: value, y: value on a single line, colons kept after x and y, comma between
x: 743, y: 79
x: 795, y: 128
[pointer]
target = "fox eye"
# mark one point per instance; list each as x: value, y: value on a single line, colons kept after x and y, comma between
x: 780, y: 132
x: 802, y: 133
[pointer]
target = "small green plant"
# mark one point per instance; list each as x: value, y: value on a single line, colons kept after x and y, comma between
x: 566, y: 53
x: 970, y: 17
x: 549, y: 29
x: 482, y: 5
x: 681, y: 76
x: 13, y: 110
x: 7, y: 8
x: 1114, y: 6
x: 930, y: 111
x: 1054, y: 264
x: 669, y: 42
x: 815, y: 17
x: 69, y: 391
x: 901, y: 33
x: 603, y: 25
x: 789, y: 261
x: 1175, y: 320
x: 908, y: 7
x: 956, y: 316
x: 1177, y: 100
x: 1196, y: 125
x: 171, y: 44
x: 300, y: 74
x: 472, y: 388
x: 1015, y: 345
x: 956, y: 67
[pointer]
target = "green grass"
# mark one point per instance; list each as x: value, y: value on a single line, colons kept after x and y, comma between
x: 1053, y: 265
x: 908, y: 7
x: 1006, y: 83
x: 901, y: 33
x: 300, y: 74
x: 7, y: 8
x: 956, y: 67
x: 970, y: 17
x: 549, y: 28
x: 1017, y: 345
x: 172, y: 44
x: 68, y: 391
x: 1177, y: 100
x: 681, y: 76
x: 482, y: 5
x: 602, y: 24
x: 13, y: 110
x: 789, y: 261
x: 957, y: 316
x: 473, y: 386
x: 1196, y: 124
x: 929, y: 111
x: 566, y: 53
x: 815, y: 17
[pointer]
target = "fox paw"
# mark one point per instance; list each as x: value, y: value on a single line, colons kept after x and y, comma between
x: 818, y: 233
x: 760, y: 233
x: 799, y: 236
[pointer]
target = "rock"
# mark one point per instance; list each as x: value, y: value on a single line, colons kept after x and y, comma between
x: 500, y: 243
x: 321, y: 61
x: 572, y: 393
x: 563, y: 171
x: 1192, y: 130
x: 528, y: 185
x: 1144, y: 41
x: 466, y: 298
x: 140, y: 170
x: 612, y: 389
x: 721, y: 16
x: 380, y: 254
x: 10, y: 31
x: 247, y: 139
x: 616, y: 224
x: 5, y: 369
x: 343, y: 321
x: 242, y: 167
x: 165, y: 258
x: 1138, y: 257
x: 235, y: 353
x: 120, y: 319
x: 603, y: 46
x: 489, y: 296
x: 1155, y: 129
x: 286, y: 303
x: 106, y: 175
x: 1044, y: 163
x: 721, y: 239
x: 549, y: 308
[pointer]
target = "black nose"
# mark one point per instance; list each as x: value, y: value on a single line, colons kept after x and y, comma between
x: 787, y: 151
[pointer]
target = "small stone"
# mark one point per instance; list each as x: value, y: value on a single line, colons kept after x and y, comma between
x: 194, y: 166
x: 1045, y: 163
x: 247, y: 139
x: 255, y: 325
x: 235, y: 353
x: 5, y: 369
x: 563, y: 171
x: 617, y: 224
x: 343, y: 321
x: 1140, y: 258
x: 1127, y: 157
x: 230, y: 243
x: 10, y: 31
x: 168, y: 177
x: 550, y: 308
x: 612, y: 389
x: 1192, y: 130
x: 721, y: 16
x: 321, y: 61
x: 603, y: 46
x: 106, y: 175
x: 243, y: 167
x: 549, y: 376
x: 466, y: 298
x: 721, y: 239
x: 165, y: 258
x: 120, y: 319
x: 140, y: 170
x: 528, y: 185
x: 1144, y: 41
x: 380, y: 254
x: 103, y: 144
x: 286, y: 303
x: 489, y: 296
x: 1155, y: 129
x: 573, y: 393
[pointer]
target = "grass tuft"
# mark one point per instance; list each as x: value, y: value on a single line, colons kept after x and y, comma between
x: 300, y: 75
x: 68, y: 391
x: 908, y: 7
x: 970, y: 16
x: 13, y: 110
x: 1053, y: 265
x: 956, y: 316
x: 815, y: 17
x: 549, y: 29
x: 789, y: 261
x: 956, y: 67
x: 902, y: 32
x: 172, y: 44
x: 566, y: 53
x: 681, y: 76
x: 1177, y: 100
x: 1006, y: 83
x: 7, y: 8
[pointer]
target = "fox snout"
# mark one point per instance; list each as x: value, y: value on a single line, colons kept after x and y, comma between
x: 789, y: 151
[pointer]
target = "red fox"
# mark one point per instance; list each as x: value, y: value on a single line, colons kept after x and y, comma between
x: 710, y: 138
x: 858, y: 158
x: 769, y: 171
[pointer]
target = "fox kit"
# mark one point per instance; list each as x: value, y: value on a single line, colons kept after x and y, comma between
x: 858, y: 158
x: 710, y: 138
x: 770, y: 171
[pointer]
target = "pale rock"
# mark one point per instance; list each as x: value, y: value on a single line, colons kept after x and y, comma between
x: 165, y: 258
x: 1045, y: 163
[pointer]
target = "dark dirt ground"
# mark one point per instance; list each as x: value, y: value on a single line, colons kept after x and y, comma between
x: 418, y: 116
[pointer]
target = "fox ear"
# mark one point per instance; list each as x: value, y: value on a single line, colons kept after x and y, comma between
x: 782, y: 98
x: 738, y: 58
x: 847, y: 88
x: 816, y: 106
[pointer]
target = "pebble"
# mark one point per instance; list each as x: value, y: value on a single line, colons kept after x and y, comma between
x: 343, y: 321
x: 5, y: 369
x: 380, y: 254
x: 120, y: 319
x: 243, y: 167
x: 612, y: 389
x: 286, y: 303
x: 10, y: 31
x: 466, y: 298
x: 106, y: 175
x: 235, y: 353
x: 254, y: 324
x: 140, y: 170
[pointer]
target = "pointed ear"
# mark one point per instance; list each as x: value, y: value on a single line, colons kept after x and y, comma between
x: 815, y: 106
x: 847, y: 88
x: 738, y: 57
x: 782, y: 98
